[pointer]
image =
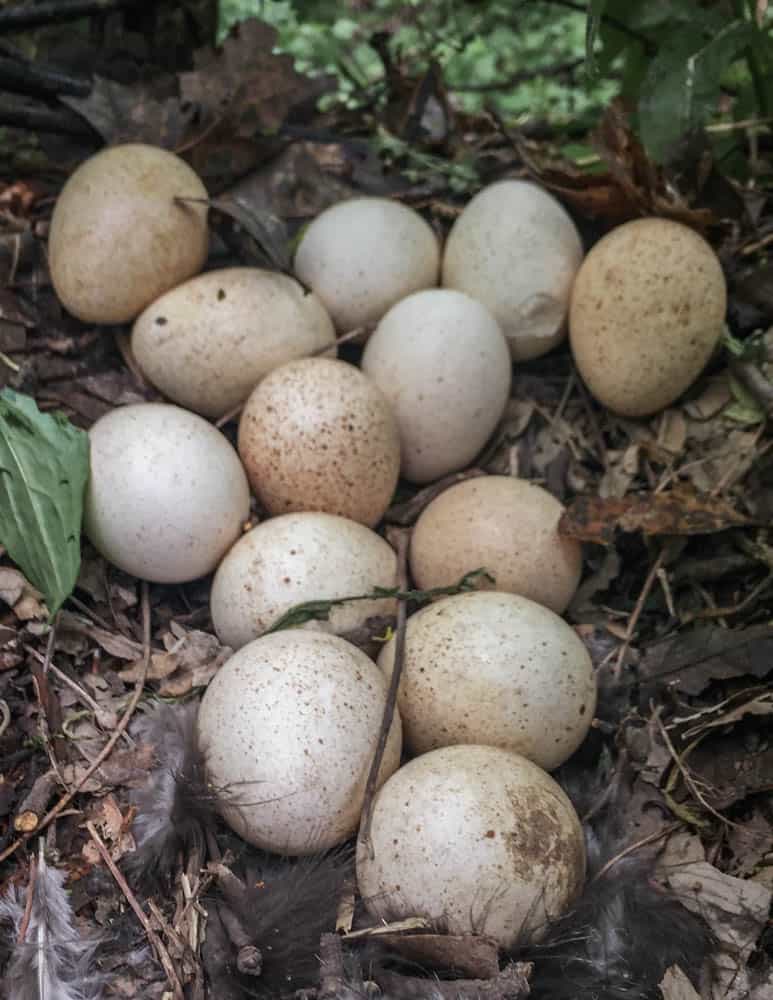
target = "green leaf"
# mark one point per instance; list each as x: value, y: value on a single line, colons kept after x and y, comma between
x: 681, y: 88
x: 595, y: 11
x: 44, y: 465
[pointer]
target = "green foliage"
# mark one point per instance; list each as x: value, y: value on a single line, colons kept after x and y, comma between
x: 44, y: 465
x: 672, y: 60
x: 481, y: 47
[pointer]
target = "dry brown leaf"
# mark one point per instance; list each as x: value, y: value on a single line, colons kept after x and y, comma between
x: 676, y: 512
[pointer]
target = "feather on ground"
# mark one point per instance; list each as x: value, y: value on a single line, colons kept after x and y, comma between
x: 176, y: 805
x: 53, y: 961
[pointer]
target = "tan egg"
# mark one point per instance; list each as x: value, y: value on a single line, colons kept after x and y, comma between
x: 167, y: 495
x: 296, y: 558
x: 316, y: 434
x: 505, y: 525
x: 441, y: 360
x: 207, y: 343
x: 494, y: 669
x: 118, y: 237
x: 288, y: 727
x: 476, y: 838
x: 515, y: 249
x: 363, y: 255
x: 647, y: 311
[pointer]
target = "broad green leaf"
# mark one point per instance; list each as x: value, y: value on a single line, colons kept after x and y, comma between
x: 681, y: 88
x: 44, y: 465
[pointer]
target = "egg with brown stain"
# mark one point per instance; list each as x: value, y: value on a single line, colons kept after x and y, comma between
x: 647, y: 310
x: 317, y: 435
x: 477, y: 838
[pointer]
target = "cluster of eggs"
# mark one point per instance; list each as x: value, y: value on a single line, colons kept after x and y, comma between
x: 497, y: 689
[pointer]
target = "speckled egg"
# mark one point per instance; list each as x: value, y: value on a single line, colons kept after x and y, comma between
x: 317, y: 435
x: 476, y: 837
x: 119, y: 238
x: 494, y: 669
x: 288, y: 727
x: 442, y: 362
x: 295, y: 558
x: 363, y: 255
x: 647, y: 311
x: 208, y: 342
x: 507, y: 526
x: 515, y: 249
x: 167, y: 495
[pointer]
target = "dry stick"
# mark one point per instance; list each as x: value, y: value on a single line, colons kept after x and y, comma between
x: 5, y: 716
x: 402, y: 539
x: 107, y: 750
x: 684, y: 771
x: 27, y: 818
x: 21, y: 17
x: 25, y: 920
x: 650, y: 839
x: 131, y: 899
x: 636, y: 614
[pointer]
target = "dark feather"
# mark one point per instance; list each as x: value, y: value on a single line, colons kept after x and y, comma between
x: 53, y: 962
x: 285, y: 906
x: 176, y: 805
x: 618, y: 941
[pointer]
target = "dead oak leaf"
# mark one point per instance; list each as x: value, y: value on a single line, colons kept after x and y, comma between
x: 246, y: 82
x: 677, y: 512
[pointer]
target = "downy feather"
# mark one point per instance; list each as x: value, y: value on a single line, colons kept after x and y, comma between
x: 53, y: 962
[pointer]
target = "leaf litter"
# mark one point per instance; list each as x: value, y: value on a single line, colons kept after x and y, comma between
x: 679, y: 757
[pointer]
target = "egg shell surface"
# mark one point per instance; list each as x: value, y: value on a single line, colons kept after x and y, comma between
x: 317, y: 435
x: 494, y: 669
x: 119, y: 239
x: 362, y: 255
x: 288, y: 727
x: 647, y: 311
x: 207, y: 343
x: 506, y: 525
x: 477, y: 836
x: 295, y: 558
x: 515, y: 249
x: 167, y: 495
x: 442, y: 362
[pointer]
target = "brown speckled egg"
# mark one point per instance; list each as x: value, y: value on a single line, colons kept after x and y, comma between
x: 505, y: 525
x: 647, y: 310
x: 477, y: 837
x: 288, y: 727
x: 494, y: 669
x: 295, y: 558
x: 316, y: 434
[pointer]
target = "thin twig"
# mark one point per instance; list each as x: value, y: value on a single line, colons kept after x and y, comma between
x: 650, y: 839
x: 402, y: 540
x: 107, y: 750
x: 684, y: 771
x: 636, y: 613
x: 5, y: 716
x: 131, y: 899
